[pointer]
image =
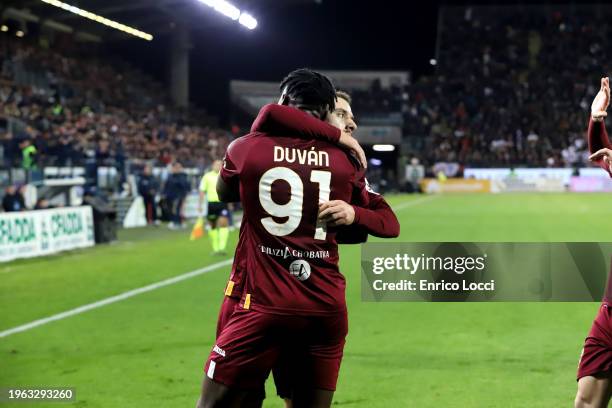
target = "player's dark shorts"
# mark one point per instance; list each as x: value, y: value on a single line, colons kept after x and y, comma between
x: 216, y: 210
x: 596, y: 355
x: 227, y: 308
x: 286, y: 372
x: 252, y: 342
x: 288, y: 365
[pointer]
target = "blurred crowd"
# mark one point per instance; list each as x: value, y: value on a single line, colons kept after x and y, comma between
x: 71, y: 108
x: 378, y: 99
x: 513, y: 86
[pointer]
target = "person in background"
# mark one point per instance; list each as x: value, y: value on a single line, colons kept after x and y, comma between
x: 414, y: 173
x: 148, y: 188
x: 13, y: 200
x: 218, y: 212
x: 28, y: 154
x: 176, y: 189
x: 10, y: 148
x: 42, y: 204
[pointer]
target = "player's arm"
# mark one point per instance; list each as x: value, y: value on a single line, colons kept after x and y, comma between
x: 228, y: 192
x: 374, y: 218
x: 599, y: 142
x: 377, y: 219
x: 358, y: 234
x: 228, y: 186
x: 280, y: 119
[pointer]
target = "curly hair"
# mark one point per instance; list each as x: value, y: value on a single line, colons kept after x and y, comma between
x: 309, y: 90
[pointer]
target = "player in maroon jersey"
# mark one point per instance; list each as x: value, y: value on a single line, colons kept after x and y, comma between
x: 297, y: 296
x: 277, y: 119
x: 377, y: 219
x: 595, y: 366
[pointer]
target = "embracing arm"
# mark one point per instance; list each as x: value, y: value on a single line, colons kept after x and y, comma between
x: 377, y: 218
x: 373, y: 217
x: 276, y: 119
x: 599, y: 142
x: 280, y: 119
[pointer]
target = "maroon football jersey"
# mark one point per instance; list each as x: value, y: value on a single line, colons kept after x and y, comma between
x: 372, y: 213
x: 291, y: 260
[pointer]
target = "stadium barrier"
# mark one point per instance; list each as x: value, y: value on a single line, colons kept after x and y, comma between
x: 455, y: 185
x: 29, y: 234
x: 543, y: 180
x: 525, y: 174
x: 135, y: 215
x: 590, y: 184
x: 535, y: 185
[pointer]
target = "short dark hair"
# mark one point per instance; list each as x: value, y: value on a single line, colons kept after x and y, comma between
x: 309, y: 90
x: 344, y: 95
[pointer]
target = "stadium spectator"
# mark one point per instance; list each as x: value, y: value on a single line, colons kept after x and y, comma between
x: 148, y: 188
x: 28, y: 154
x: 414, y: 173
x: 13, y: 199
x: 42, y: 204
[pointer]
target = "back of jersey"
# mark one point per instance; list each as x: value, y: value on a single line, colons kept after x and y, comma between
x: 292, y: 261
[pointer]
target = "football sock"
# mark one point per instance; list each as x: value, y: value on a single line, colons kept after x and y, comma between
x: 223, y: 236
x: 214, y: 239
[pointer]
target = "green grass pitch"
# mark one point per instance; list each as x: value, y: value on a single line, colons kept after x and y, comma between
x: 148, y: 350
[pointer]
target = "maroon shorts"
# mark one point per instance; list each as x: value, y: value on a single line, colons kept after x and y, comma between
x: 286, y: 372
x: 596, y: 355
x: 287, y: 366
x: 227, y: 308
x: 251, y: 342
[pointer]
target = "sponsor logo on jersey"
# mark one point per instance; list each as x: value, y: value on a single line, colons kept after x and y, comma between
x: 300, y: 269
x: 287, y: 252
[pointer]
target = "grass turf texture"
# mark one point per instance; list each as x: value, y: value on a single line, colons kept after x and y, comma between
x: 148, y: 350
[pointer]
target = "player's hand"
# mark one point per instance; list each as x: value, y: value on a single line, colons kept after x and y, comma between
x: 336, y: 213
x: 601, y: 101
x: 603, y: 154
x: 347, y: 140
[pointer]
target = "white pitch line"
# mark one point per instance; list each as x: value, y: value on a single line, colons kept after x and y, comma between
x: 415, y: 202
x: 116, y: 298
x: 153, y: 286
